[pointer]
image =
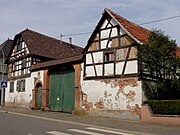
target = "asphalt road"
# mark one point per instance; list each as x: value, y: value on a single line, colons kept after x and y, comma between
x: 18, y: 121
x: 12, y: 124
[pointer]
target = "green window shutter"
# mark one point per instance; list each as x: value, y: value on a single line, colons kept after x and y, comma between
x: 24, y: 63
x: 18, y: 86
x: 11, y: 87
x: 23, y: 85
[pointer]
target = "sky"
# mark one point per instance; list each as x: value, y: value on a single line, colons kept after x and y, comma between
x: 55, y: 17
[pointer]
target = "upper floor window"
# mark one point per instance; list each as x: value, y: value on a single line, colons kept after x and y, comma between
x: 19, y: 44
x: 23, y: 63
x: 109, y: 56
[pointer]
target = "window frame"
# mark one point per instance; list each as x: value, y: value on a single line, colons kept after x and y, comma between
x: 11, y: 87
x: 20, y: 85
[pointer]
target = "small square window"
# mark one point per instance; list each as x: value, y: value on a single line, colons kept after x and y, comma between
x: 109, y: 56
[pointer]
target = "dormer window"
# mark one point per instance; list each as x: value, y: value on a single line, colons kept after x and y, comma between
x: 19, y: 44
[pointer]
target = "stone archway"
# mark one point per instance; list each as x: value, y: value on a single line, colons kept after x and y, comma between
x: 45, y: 91
x: 36, y: 102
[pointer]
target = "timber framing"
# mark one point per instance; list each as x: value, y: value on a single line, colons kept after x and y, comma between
x: 111, y: 77
x: 111, y: 51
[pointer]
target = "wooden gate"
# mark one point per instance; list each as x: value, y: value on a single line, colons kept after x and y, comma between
x: 62, y: 91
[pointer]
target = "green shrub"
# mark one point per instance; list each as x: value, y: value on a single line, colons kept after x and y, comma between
x: 166, y: 107
x: 80, y: 112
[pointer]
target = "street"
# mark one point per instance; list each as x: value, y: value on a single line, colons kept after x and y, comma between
x: 12, y: 124
x: 18, y: 121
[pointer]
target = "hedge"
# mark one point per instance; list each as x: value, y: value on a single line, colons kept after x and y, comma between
x: 165, y: 107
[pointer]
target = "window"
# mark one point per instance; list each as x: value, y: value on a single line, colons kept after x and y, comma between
x: 20, y: 85
x: 36, y: 60
x: 23, y: 63
x: 109, y: 56
x: 19, y: 44
x: 11, y: 87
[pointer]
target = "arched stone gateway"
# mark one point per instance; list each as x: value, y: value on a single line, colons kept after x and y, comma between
x: 40, y: 93
x: 36, y: 102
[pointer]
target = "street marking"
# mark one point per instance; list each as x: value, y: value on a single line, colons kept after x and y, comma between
x: 84, y: 132
x: 109, y: 131
x: 56, y: 133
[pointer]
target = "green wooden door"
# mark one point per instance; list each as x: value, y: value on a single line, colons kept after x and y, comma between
x: 39, y: 97
x: 62, y: 91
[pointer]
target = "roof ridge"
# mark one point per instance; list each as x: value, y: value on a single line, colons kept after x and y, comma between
x: 47, y: 36
x: 124, y: 18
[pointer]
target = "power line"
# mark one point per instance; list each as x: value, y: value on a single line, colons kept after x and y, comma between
x: 154, y: 21
x: 76, y: 34
x: 159, y: 20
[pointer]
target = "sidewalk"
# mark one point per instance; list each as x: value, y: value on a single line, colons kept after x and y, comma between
x: 134, y: 126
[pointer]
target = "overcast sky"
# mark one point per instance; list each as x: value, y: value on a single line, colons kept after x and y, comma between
x: 55, y: 17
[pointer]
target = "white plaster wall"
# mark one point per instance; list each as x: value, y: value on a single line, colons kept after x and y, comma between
x: 119, y: 68
x: 114, y: 32
x: 98, y: 57
x: 131, y: 67
x: 99, y: 70
x: 104, y: 24
x: 88, y: 59
x: 90, y: 71
x: 109, y: 69
x: 22, y: 98
x: 111, y: 95
x: 103, y: 44
x: 105, y: 33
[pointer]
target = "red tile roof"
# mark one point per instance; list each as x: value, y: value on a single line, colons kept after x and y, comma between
x: 45, y: 46
x: 178, y: 51
x: 138, y: 32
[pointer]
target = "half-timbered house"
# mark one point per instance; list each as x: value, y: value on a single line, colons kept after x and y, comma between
x: 30, y: 48
x: 110, y: 80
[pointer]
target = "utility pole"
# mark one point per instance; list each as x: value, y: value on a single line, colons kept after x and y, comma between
x: 2, y: 79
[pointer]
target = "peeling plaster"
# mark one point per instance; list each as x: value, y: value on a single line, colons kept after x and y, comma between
x: 122, y: 83
x: 135, y: 109
x: 113, y: 94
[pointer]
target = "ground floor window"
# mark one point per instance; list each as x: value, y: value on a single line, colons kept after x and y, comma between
x: 21, y: 85
x: 11, y: 87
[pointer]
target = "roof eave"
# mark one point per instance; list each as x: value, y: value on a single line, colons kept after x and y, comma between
x: 123, y: 27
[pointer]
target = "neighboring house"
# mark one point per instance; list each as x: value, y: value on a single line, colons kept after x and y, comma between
x: 110, y: 76
x: 30, y: 48
x: 4, y: 54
